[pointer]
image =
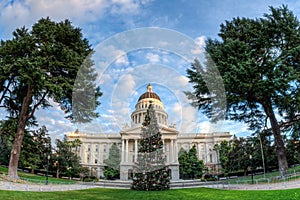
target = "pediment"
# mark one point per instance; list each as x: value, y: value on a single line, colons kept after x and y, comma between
x: 138, y: 130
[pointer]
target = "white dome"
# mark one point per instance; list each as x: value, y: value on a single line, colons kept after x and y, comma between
x: 147, y: 98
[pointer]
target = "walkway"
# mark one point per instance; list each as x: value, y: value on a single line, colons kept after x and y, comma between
x: 217, y: 185
x: 272, y: 186
x: 4, y: 185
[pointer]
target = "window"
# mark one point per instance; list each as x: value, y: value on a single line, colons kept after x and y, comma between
x: 96, y: 161
x: 104, y: 148
x: 210, y: 158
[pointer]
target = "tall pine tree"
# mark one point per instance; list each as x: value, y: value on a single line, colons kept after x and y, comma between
x: 112, y: 168
x: 150, y: 172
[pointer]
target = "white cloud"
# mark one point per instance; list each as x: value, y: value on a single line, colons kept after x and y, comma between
x: 200, y: 43
x: 183, y: 81
x: 53, y: 119
x: 18, y: 13
x: 122, y: 60
x: 153, y: 58
x: 124, y: 6
x: 189, y: 119
x: 120, y: 98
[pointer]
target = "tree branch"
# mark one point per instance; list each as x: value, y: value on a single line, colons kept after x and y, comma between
x: 290, y: 123
x: 37, y: 105
x: 5, y: 91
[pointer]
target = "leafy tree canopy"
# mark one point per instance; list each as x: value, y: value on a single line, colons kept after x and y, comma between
x: 258, y: 60
x: 150, y: 171
x: 42, y: 64
x: 112, y: 170
x: 189, y: 164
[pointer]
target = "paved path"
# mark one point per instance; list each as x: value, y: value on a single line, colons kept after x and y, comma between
x: 65, y: 187
x: 272, y: 186
x: 40, y: 187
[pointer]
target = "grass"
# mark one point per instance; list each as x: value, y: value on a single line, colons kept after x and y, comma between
x: 182, y: 194
x: 175, y: 194
x: 269, y: 175
x: 38, y: 179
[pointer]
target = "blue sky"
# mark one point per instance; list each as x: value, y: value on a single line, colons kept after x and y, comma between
x: 125, y: 78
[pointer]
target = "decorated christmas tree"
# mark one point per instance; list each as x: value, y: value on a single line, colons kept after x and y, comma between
x: 150, y: 172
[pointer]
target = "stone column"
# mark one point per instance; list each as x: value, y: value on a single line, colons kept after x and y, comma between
x: 123, y: 151
x: 171, y: 151
x: 176, y: 151
x: 99, y: 153
x: 199, y: 151
x: 92, y: 155
x: 90, y: 171
x: 126, y: 153
x: 206, y: 152
x: 135, y: 150
x: 82, y: 153
x: 98, y: 172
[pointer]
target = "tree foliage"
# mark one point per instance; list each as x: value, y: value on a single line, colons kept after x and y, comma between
x: 239, y: 157
x: 42, y: 64
x: 258, y: 60
x: 150, y: 171
x: 112, y: 169
x: 65, y: 158
x: 7, y: 132
x: 293, y: 146
x: 241, y: 154
x: 190, y: 166
x: 36, y: 149
x: 223, y: 150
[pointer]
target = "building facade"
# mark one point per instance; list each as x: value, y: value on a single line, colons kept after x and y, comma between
x: 95, y: 147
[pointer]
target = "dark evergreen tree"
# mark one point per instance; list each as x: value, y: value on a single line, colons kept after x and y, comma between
x: 293, y: 146
x: 150, y: 172
x: 7, y: 132
x: 239, y: 155
x: 222, y: 150
x: 195, y: 165
x: 190, y: 166
x: 36, y: 149
x: 258, y: 61
x: 65, y: 159
x: 112, y: 168
x: 182, y: 159
x: 42, y: 64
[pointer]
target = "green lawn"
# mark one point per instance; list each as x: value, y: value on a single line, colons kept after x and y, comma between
x: 36, y: 178
x: 269, y: 175
x: 182, y: 194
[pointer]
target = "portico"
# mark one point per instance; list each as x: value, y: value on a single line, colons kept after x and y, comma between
x: 95, y: 147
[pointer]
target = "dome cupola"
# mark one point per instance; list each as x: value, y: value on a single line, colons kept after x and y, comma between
x: 147, y: 98
x: 149, y: 94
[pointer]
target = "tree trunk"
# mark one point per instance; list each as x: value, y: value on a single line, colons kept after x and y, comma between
x: 16, y: 148
x: 279, y: 144
x: 57, y: 173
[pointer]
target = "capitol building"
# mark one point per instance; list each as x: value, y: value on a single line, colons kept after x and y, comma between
x: 95, y: 147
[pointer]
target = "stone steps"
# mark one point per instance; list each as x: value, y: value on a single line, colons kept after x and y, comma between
x: 189, y: 184
x: 113, y: 184
x: 173, y: 184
